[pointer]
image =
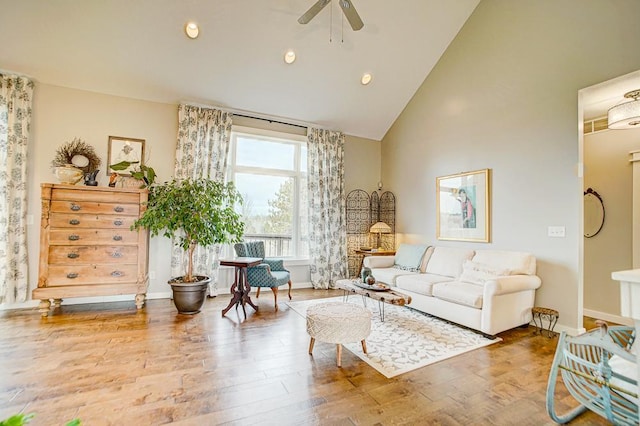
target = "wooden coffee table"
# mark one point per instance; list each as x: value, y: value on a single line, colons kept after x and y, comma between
x: 393, y: 297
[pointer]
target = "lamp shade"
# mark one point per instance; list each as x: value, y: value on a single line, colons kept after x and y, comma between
x: 625, y: 115
x: 380, y: 228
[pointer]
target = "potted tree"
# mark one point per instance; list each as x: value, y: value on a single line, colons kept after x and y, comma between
x: 196, y: 212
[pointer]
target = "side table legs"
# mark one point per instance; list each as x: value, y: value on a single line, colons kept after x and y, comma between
x: 240, y: 291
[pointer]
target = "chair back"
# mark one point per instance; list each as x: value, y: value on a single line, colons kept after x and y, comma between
x: 250, y: 249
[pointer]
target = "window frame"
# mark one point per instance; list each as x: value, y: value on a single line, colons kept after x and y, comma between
x: 298, y: 175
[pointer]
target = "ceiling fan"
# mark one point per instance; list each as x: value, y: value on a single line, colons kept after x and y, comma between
x: 347, y: 8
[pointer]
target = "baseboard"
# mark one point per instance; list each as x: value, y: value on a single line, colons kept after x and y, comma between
x: 29, y: 304
x: 608, y: 317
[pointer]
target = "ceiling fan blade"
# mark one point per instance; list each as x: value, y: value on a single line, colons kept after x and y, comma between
x: 351, y: 14
x: 313, y: 11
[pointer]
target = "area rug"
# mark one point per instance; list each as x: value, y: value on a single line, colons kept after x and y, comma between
x: 407, y: 339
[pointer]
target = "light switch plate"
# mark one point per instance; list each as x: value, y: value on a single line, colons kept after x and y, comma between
x: 556, y: 231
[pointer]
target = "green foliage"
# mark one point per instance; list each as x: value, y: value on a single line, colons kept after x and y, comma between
x: 123, y: 165
x: 17, y: 420
x: 280, y: 210
x: 143, y: 173
x: 196, y: 212
x: 23, y: 419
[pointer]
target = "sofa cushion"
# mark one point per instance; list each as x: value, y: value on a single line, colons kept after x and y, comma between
x: 517, y: 262
x: 420, y: 283
x: 479, y: 273
x: 425, y: 259
x: 461, y: 293
x: 448, y: 261
x: 408, y: 257
x: 389, y: 275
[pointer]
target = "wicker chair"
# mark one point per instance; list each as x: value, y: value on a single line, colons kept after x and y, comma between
x: 270, y: 273
x: 592, y: 367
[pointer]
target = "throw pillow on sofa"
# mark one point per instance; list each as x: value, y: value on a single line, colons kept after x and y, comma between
x: 480, y: 273
x: 409, y: 256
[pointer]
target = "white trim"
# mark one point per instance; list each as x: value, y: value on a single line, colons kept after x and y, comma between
x: 83, y: 300
x: 273, y: 134
x: 31, y: 304
x: 609, y: 317
x: 296, y: 261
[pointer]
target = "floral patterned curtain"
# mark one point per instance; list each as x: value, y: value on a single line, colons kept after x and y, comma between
x: 327, y: 224
x: 16, y: 94
x: 203, y: 145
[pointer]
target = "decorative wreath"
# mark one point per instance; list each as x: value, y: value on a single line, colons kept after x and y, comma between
x: 77, y: 153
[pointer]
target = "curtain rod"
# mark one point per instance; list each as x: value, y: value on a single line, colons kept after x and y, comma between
x: 270, y: 120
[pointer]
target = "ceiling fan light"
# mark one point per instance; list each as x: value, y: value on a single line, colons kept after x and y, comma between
x: 290, y: 57
x: 366, y: 79
x: 625, y: 115
x: 192, y: 30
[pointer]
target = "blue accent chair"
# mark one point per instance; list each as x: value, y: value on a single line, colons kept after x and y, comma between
x: 270, y: 273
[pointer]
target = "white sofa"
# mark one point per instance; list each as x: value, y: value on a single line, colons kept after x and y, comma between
x: 487, y: 290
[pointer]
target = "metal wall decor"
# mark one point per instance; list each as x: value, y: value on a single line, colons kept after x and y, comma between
x: 362, y: 211
x: 593, y: 213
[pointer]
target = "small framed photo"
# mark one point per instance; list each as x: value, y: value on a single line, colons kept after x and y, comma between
x: 463, y: 206
x: 125, y: 149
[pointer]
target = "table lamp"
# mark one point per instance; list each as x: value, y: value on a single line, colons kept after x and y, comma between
x: 380, y: 228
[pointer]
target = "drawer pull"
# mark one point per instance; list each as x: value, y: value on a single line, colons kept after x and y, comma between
x: 116, y: 254
x: 73, y: 255
x: 117, y: 238
x: 74, y: 222
x: 118, y: 222
x: 74, y: 237
x: 117, y: 273
x: 72, y: 275
x: 118, y: 209
x: 75, y: 207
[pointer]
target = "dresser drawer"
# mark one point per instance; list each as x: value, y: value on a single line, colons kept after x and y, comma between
x: 85, y: 237
x: 78, y: 255
x: 94, y: 195
x: 69, y: 275
x: 85, y: 207
x: 72, y: 221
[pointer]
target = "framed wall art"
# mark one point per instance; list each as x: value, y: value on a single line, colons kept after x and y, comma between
x: 463, y: 210
x: 125, y: 149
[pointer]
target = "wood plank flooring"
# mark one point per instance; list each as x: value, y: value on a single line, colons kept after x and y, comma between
x: 108, y: 364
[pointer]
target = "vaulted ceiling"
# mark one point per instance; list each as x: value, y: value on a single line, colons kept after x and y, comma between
x: 138, y: 49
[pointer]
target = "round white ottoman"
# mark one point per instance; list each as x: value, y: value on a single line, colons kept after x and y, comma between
x: 337, y: 322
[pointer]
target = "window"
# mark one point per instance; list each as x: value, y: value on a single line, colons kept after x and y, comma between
x: 269, y: 170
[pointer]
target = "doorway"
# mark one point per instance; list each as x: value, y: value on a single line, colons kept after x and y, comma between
x: 604, y: 159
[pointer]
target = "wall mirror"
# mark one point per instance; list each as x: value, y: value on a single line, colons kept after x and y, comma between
x: 593, y: 213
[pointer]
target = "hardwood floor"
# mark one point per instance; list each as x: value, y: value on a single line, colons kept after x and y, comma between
x: 108, y: 364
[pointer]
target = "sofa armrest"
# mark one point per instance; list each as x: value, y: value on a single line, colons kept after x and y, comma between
x: 379, y: 261
x: 511, y: 284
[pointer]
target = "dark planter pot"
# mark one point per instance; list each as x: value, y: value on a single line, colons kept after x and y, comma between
x: 189, y: 297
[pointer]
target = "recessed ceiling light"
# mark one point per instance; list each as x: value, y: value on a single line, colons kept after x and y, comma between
x: 366, y: 79
x: 290, y: 56
x: 192, y: 30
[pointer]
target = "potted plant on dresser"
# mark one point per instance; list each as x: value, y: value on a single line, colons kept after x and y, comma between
x: 195, y: 213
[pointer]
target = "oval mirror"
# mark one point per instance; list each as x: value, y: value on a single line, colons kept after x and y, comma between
x: 593, y: 213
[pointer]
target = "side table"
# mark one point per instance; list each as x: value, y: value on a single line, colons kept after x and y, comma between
x: 240, y: 288
x: 548, y: 314
x: 366, y: 253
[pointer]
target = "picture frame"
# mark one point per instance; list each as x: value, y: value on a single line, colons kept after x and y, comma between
x: 463, y: 206
x: 125, y: 149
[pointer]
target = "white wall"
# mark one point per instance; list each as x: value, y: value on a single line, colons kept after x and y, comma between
x: 60, y: 114
x: 608, y: 171
x: 504, y: 97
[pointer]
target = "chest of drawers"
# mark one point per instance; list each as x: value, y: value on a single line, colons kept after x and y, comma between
x: 87, y: 247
